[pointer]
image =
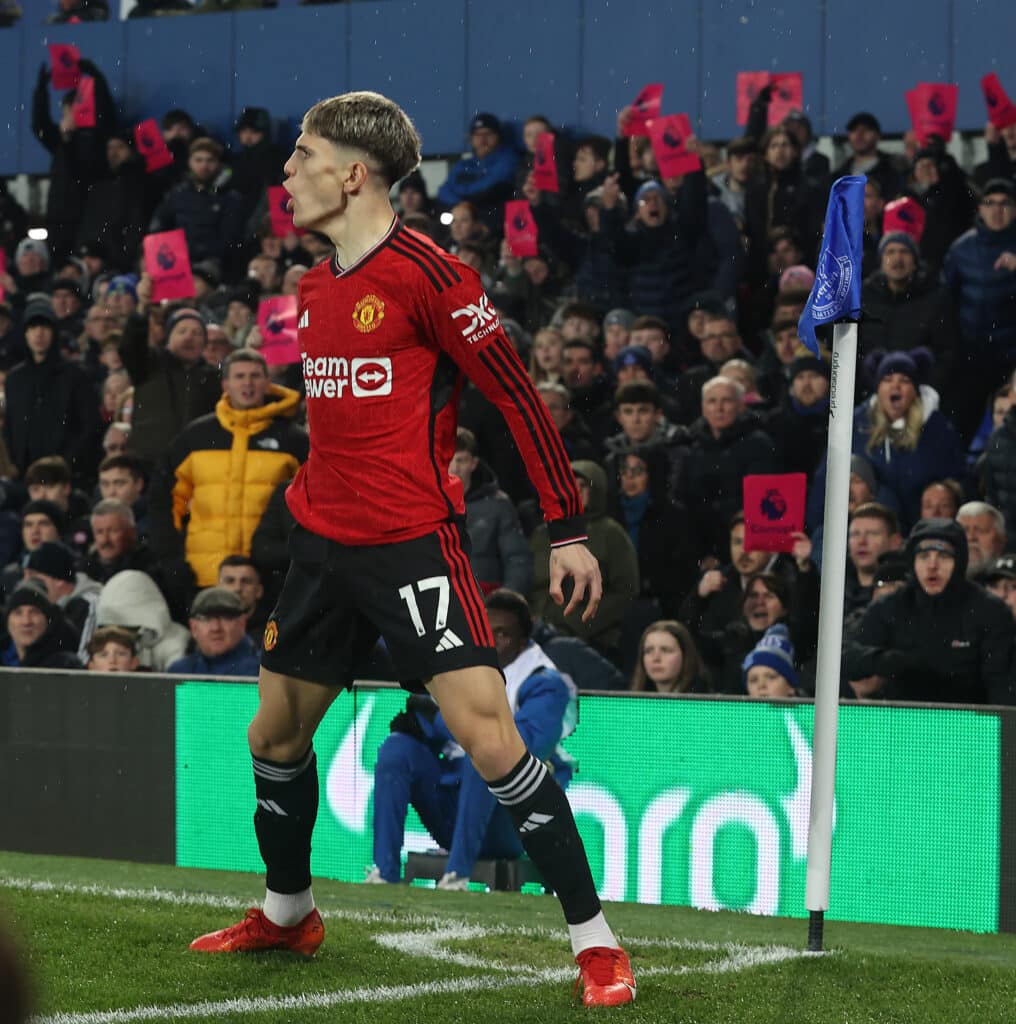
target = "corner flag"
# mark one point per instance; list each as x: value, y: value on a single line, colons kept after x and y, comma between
x: 836, y: 293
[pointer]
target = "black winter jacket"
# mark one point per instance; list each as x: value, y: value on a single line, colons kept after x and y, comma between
x: 954, y: 647
x: 998, y: 471
x: 212, y: 219
x: 52, y: 409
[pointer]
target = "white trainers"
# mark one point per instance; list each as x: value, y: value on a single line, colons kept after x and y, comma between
x: 450, y: 882
x: 373, y: 877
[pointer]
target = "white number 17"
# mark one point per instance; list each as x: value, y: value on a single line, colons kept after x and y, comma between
x: 438, y: 583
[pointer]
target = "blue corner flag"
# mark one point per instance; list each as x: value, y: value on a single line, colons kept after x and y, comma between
x: 836, y: 293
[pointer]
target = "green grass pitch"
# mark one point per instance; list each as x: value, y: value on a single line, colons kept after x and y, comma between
x: 106, y: 943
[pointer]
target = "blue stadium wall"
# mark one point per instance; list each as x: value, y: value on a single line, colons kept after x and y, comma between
x: 577, y: 61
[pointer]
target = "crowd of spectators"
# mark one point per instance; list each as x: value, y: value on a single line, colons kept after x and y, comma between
x: 147, y: 446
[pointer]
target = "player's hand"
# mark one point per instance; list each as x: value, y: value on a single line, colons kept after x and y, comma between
x: 711, y: 582
x: 1007, y: 261
x: 578, y: 562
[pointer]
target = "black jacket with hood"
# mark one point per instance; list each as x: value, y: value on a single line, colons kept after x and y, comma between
x: 953, y: 648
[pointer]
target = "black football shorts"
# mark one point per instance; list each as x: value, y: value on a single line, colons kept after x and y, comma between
x: 419, y: 595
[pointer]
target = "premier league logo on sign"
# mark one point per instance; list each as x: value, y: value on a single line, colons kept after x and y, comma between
x: 166, y: 257
x: 773, y: 506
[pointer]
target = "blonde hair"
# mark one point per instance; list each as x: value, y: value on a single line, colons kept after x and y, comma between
x: 372, y: 123
x: 537, y: 373
x: 882, y: 429
x: 691, y: 664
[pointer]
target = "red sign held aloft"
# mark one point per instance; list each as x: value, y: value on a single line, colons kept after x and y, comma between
x: 152, y: 146
x: 279, y: 211
x: 83, y: 109
x: 932, y: 107
x: 167, y: 262
x: 644, y: 109
x: 787, y: 94
x: 1001, y: 109
x: 63, y: 64
x: 669, y: 136
x: 904, y: 214
x: 520, y: 229
x: 773, y: 510
x: 277, y: 323
x: 545, y: 164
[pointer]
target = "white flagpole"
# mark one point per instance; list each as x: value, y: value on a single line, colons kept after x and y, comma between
x: 830, y: 627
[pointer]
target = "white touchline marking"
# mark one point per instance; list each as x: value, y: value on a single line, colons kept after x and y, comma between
x: 429, y: 944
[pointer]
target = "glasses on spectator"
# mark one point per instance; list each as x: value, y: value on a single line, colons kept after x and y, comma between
x: 1005, y: 204
x: 633, y: 471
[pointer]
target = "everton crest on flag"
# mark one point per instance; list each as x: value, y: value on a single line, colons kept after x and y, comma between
x: 836, y: 293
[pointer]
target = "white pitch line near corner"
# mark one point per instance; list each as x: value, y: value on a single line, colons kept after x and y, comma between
x: 276, y: 1004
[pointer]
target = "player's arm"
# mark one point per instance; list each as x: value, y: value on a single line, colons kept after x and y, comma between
x: 466, y: 326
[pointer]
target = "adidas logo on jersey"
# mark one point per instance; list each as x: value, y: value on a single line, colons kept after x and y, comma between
x: 448, y: 641
x: 304, y: 319
x: 534, y: 821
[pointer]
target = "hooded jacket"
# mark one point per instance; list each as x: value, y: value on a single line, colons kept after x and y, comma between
x: 500, y: 552
x: 619, y: 565
x: 79, y: 609
x: 218, y: 475
x: 56, y: 648
x: 954, y: 647
x: 52, y: 409
x: 132, y: 599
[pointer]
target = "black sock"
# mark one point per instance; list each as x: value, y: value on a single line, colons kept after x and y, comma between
x: 545, y: 823
x: 284, y: 820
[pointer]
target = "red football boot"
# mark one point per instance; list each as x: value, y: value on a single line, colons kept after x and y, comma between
x: 605, y: 977
x: 255, y: 933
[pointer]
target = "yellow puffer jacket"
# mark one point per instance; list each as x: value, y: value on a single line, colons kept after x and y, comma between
x: 227, y: 465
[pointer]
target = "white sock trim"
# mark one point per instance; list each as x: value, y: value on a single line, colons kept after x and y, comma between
x: 287, y: 908
x: 594, y: 932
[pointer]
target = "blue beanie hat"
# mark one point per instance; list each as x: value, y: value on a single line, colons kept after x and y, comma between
x: 634, y: 355
x: 646, y: 188
x: 775, y: 651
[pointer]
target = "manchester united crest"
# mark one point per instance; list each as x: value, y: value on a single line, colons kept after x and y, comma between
x: 368, y: 314
x: 271, y: 635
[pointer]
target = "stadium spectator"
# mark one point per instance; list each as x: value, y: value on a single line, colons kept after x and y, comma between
x: 49, y: 479
x: 799, y: 426
x: 941, y: 188
x: 71, y: 12
x: 658, y: 246
x: 788, y: 595
x: 131, y: 599
x: 940, y: 638
x: 419, y: 764
x: 905, y: 306
x: 500, y: 555
x: 116, y: 440
x: 980, y: 271
x: 218, y: 626
x: 669, y: 661
x: 257, y: 164
x: 546, y: 355
x: 941, y: 499
x: 726, y: 445
x: 815, y: 165
x: 619, y: 566
x: 984, y: 527
x: 41, y: 521
x: 903, y: 433
x: 52, y: 407
x: 220, y: 471
x: 577, y: 439
x: 113, y: 649
x: 659, y: 528
x: 864, y: 133
x: 768, y: 670
x: 172, y: 385
x: 730, y: 180
x: 1001, y: 162
x: 35, y: 633
x: 78, y: 154
x: 211, y: 217
x: 998, y: 577
x: 873, y: 531
x: 115, y: 211
x: 487, y: 177
x: 122, y: 478
x: 240, y: 576
x: 74, y: 593
x: 718, y: 342
x: 638, y: 410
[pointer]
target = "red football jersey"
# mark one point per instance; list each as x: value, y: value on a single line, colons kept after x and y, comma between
x: 385, y: 344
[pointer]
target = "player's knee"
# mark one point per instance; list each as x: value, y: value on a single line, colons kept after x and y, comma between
x: 488, y: 741
x: 281, y: 742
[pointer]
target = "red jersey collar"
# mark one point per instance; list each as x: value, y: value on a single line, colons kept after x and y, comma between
x: 340, y: 271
